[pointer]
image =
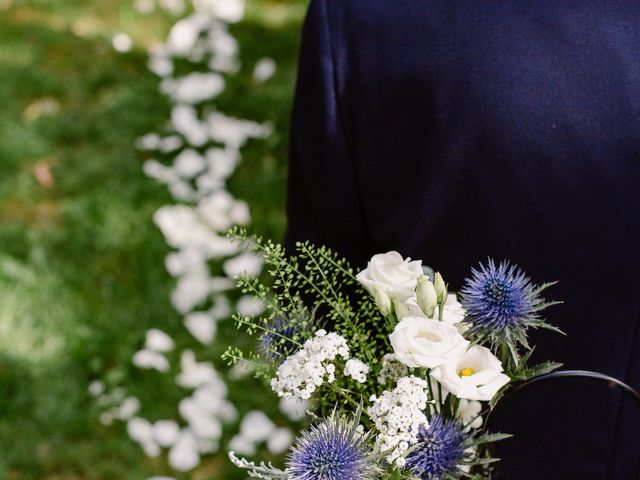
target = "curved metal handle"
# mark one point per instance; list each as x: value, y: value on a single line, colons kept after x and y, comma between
x: 577, y: 374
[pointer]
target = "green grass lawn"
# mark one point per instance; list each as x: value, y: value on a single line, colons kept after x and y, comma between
x: 81, y: 263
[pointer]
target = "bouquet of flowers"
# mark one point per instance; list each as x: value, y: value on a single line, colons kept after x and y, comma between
x: 398, y: 372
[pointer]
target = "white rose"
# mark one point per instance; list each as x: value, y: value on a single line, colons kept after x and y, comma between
x: 394, y: 275
x: 423, y: 342
x: 476, y: 375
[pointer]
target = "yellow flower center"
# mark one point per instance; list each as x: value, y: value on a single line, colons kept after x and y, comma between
x: 467, y: 372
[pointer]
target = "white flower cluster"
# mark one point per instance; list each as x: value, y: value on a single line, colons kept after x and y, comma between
x: 430, y: 340
x: 398, y: 415
x: 392, y: 369
x: 304, y: 371
x: 357, y: 370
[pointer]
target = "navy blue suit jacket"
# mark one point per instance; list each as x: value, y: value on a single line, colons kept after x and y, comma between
x: 454, y: 130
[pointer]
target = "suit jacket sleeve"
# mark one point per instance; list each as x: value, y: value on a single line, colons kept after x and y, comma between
x: 324, y: 205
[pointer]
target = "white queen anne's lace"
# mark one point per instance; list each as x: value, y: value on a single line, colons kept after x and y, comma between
x: 304, y: 371
x: 392, y: 370
x: 397, y: 415
x: 357, y: 370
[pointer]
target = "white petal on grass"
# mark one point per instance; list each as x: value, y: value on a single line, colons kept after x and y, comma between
x: 184, y: 455
x: 191, y: 290
x: 150, y: 141
x: 264, y: 69
x: 139, y: 430
x: 256, y: 426
x: 240, y: 370
x: 207, y: 183
x: 166, y: 432
x: 184, y: 34
x: 170, y: 143
x: 222, y: 161
x: 221, y: 308
x: 117, y: 395
x: 158, y: 341
x: 106, y: 418
x: 149, y: 360
x: 182, y: 190
x: 184, y: 119
x: 194, y: 87
x: 207, y: 427
x: 235, y: 132
x: 189, y: 163
x: 160, y: 61
x: 96, y: 388
x: 144, y: 7
x: 242, y: 445
x: 194, y: 373
x: 207, y: 446
x: 154, y: 169
x: 293, y: 408
x: 245, y: 263
x: 122, y: 42
x: 129, y: 407
x: 183, y: 227
x: 249, y: 306
x: 221, y: 211
x: 202, y: 326
x: 174, y: 7
x: 279, y: 441
x: 151, y: 449
x: 230, y: 11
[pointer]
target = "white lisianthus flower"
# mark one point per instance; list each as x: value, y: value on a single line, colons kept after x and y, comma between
x: 383, y: 302
x: 453, y: 312
x: 476, y: 375
x: 426, y: 296
x: 423, y: 342
x: 468, y: 411
x: 469, y: 414
x: 394, y: 275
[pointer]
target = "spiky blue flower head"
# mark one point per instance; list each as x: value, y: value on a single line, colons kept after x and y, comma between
x: 284, y: 336
x: 278, y: 340
x: 502, y: 303
x: 439, y: 451
x: 332, y: 450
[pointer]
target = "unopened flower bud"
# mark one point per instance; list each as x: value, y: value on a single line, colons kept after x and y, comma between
x: 441, y: 288
x: 383, y: 302
x: 426, y: 296
x: 400, y: 309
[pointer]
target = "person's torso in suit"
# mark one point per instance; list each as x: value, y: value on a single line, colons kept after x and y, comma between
x: 452, y: 131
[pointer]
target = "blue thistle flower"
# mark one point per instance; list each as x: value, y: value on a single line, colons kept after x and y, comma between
x: 332, y: 450
x: 284, y: 336
x: 439, y: 451
x: 277, y: 341
x: 502, y: 303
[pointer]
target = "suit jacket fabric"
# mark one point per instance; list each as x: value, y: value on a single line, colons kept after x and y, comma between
x: 456, y: 130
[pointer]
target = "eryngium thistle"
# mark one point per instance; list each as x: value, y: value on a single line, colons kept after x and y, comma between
x: 284, y: 336
x: 332, y: 450
x: 277, y: 341
x: 440, y: 450
x: 502, y: 303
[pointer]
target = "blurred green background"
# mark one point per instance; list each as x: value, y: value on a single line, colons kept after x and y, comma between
x: 82, y: 276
